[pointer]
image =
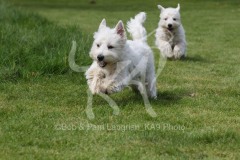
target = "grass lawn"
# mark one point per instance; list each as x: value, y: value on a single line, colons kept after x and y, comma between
x: 43, y: 102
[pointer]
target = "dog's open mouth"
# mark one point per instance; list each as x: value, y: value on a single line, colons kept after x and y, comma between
x: 102, y: 64
x: 170, y: 29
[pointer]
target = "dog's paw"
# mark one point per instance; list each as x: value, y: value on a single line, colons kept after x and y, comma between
x: 105, y: 90
x: 178, y: 53
x: 95, y: 85
x: 167, y: 51
x: 110, y: 89
x: 94, y: 90
x: 153, y: 95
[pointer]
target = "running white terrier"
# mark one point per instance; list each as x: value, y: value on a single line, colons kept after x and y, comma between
x: 118, y: 62
x: 170, y: 35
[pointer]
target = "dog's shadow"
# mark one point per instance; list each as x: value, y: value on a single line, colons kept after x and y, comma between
x: 166, y: 98
x: 194, y: 59
x: 128, y: 97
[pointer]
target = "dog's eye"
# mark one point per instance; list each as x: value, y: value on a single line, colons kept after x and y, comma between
x: 110, y: 47
x: 98, y: 45
x: 165, y: 19
x: 174, y: 19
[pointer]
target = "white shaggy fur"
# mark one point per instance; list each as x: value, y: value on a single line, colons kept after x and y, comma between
x: 170, y: 35
x: 118, y: 62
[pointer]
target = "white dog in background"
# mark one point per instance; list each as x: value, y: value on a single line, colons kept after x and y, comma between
x: 118, y: 62
x: 170, y: 35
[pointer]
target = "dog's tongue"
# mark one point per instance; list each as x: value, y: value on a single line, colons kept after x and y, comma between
x: 102, y: 63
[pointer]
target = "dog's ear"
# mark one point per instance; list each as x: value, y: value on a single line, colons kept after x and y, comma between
x: 161, y: 8
x: 120, y: 29
x: 103, y: 24
x: 178, y: 7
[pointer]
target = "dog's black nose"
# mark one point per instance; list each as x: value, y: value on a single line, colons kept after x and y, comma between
x: 169, y: 25
x: 100, y: 57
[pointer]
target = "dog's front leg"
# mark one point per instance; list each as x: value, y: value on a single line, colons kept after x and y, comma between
x: 96, y: 83
x: 165, y: 49
x: 112, y: 86
x: 94, y: 78
x: 117, y: 82
x: 179, y: 50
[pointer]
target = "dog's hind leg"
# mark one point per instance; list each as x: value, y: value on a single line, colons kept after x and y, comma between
x: 150, y: 82
x: 151, y: 88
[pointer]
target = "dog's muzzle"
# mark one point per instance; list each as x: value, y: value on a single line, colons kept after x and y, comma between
x: 102, y: 64
x: 170, y: 27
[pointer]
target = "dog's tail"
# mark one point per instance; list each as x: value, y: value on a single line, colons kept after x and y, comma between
x: 136, y: 29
